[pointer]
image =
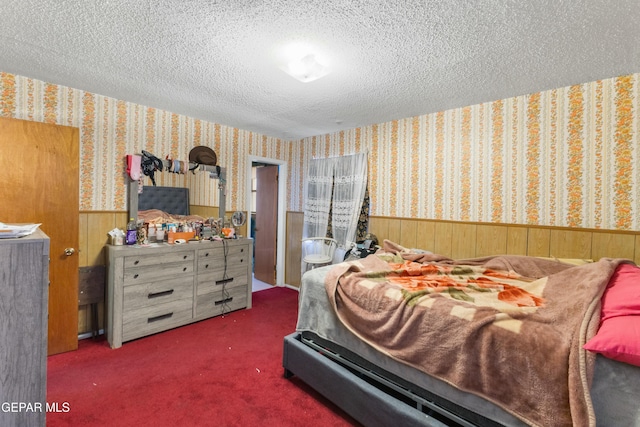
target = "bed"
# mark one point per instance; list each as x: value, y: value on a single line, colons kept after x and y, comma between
x: 333, y: 351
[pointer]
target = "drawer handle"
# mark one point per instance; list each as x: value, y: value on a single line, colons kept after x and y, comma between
x: 206, y: 254
x: 136, y: 262
x: 160, y: 294
x: 184, y: 257
x: 184, y: 269
x: 224, y: 281
x: 206, y: 266
x: 241, y: 250
x: 135, y: 276
x: 224, y: 301
x: 161, y: 317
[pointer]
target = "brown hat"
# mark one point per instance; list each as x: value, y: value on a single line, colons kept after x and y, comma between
x: 203, y: 155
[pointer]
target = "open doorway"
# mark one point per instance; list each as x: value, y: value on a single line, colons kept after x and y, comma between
x: 266, y: 198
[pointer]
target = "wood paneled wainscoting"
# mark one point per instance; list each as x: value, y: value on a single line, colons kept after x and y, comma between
x: 457, y: 240
x: 94, y: 226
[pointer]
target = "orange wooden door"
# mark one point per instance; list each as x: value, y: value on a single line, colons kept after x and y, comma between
x: 39, y: 183
x: 266, y: 224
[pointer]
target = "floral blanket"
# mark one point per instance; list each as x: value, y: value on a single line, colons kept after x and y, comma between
x: 509, y: 329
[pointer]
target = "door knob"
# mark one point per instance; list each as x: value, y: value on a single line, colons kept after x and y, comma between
x: 69, y: 251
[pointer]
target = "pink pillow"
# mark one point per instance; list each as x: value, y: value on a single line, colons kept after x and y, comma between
x: 619, y: 335
x: 622, y: 296
x: 619, y: 339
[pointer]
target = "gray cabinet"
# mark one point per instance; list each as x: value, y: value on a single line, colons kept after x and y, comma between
x: 24, y: 292
x: 158, y: 287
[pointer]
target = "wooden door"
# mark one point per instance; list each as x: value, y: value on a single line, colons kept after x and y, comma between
x: 39, y: 183
x: 266, y: 231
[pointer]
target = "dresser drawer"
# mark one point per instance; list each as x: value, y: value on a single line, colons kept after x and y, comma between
x: 211, y: 264
x: 158, y: 271
x: 157, y: 292
x: 156, y: 318
x: 215, y: 303
x: 156, y: 288
x: 213, y: 280
x: 235, y: 251
x: 216, y: 266
x: 140, y: 260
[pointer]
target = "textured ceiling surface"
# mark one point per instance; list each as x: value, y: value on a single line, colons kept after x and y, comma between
x: 220, y: 60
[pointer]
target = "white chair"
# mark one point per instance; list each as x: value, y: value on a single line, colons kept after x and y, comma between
x: 318, y: 251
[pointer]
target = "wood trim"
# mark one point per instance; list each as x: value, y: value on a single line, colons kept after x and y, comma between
x: 442, y: 242
x: 491, y: 239
x: 457, y: 239
x: 538, y: 242
x: 570, y: 244
x: 293, y: 251
x: 501, y: 224
x: 624, y: 245
x: 516, y: 240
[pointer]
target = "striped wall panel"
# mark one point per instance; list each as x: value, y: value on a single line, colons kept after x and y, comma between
x: 110, y: 129
x: 565, y: 157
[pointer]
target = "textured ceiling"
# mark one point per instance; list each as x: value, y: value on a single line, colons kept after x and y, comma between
x: 219, y: 60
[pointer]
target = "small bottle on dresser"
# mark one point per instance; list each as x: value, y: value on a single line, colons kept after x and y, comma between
x: 152, y: 233
x: 132, y: 234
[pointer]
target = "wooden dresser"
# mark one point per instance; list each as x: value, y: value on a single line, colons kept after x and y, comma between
x: 159, y: 287
x: 24, y: 286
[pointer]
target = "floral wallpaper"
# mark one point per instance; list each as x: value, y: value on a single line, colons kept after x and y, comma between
x: 563, y: 157
x: 110, y: 129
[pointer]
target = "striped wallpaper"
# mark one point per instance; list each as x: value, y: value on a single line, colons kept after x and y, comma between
x: 563, y: 157
x: 110, y: 129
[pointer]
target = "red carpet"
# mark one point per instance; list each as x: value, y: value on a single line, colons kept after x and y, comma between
x: 225, y: 371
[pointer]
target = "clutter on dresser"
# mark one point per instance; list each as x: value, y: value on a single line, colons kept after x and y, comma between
x: 161, y: 214
x: 116, y: 237
x: 8, y: 231
x: 153, y: 227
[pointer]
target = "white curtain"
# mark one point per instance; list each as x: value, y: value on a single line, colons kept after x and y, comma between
x: 319, y: 183
x: 339, y: 184
x: 349, y: 185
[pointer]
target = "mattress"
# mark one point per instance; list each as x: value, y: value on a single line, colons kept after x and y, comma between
x: 615, y: 390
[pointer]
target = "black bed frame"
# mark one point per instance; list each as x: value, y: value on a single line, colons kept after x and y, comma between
x: 371, y: 396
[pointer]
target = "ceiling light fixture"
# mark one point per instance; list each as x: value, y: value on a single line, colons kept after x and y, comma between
x: 306, y: 69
